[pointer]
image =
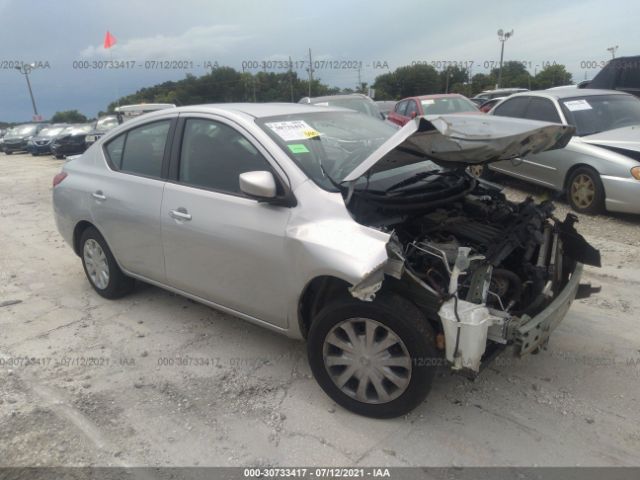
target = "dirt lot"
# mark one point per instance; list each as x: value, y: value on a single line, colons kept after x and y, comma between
x: 101, y: 389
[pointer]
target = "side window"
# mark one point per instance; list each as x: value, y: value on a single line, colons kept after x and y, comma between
x: 543, y: 110
x: 144, y: 149
x: 401, y: 107
x: 412, y: 107
x: 512, y: 107
x: 213, y: 156
x: 140, y: 150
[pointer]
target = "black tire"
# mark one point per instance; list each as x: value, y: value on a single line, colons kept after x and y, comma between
x: 8, y: 153
x: 59, y: 157
x: 404, y: 320
x: 118, y: 284
x: 592, y: 201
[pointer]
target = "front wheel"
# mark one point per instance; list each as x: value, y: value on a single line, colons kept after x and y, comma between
x: 101, y: 267
x: 585, y: 191
x: 376, y: 359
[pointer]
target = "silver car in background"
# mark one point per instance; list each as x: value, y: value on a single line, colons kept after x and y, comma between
x: 372, y: 243
x: 600, y: 167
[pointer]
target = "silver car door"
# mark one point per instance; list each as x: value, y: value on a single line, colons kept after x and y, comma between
x: 126, y: 199
x: 543, y: 167
x: 514, y: 106
x: 219, y: 244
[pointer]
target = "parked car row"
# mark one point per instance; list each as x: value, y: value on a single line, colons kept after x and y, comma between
x: 62, y: 140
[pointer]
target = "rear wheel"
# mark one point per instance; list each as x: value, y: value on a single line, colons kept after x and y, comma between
x: 376, y: 359
x: 101, y: 268
x: 8, y: 153
x: 59, y: 157
x: 585, y: 192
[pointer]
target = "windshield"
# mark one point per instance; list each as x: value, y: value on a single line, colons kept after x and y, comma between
x: 438, y: 106
x: 335, y: 142
x: 50, y: 132
x: 357, y: 104
x: 106, y: 123
x: 24, y: 130
x: 599, y: 113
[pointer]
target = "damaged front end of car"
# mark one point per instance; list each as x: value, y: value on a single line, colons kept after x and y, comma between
x: 486, y: 271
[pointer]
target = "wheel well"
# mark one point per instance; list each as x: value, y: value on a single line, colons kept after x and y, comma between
x: 77, y: 234
x: 573, y: 169
x: 316, y: 295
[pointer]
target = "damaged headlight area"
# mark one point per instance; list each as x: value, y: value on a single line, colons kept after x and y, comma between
x: 488, y: 271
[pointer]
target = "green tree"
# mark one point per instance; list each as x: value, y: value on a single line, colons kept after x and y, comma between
x: 553, y: 76
x: 407, y: 81
x: 514, y: 75
x: 68, y: 116
x: 456, y: 75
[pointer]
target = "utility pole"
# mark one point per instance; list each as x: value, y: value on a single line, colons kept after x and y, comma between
x: 310, y: 70
x: 503, y: 37
x: 291, y: 77
x: 612, y: 51
x: 26, y: 69
x: 359, y: 76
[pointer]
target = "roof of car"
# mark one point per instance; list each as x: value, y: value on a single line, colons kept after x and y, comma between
x: 358, y: 96
x: 438, y: 95
x: 570, y: 93
x: 259, y: 110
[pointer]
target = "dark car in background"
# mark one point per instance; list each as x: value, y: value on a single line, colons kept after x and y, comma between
x: 3, y: 132
x: 446, y: 103
x: 622, y: 73
x: 71, y: 141
x: 356, y: 101
x: 40, y: 144
x: 16, y: 139
x: 100, y: 127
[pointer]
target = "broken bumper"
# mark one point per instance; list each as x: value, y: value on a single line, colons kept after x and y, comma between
x: 468, y: 326
x: 534, y: 332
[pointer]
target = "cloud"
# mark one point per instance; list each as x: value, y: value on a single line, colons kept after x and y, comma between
x: 195, y: 42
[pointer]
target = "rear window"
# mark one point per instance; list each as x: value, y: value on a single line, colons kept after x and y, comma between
x: 438, y: 106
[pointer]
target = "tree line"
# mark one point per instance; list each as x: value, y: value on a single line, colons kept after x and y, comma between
x: 225, y: 84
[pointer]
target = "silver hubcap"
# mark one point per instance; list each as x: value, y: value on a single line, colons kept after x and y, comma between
x: 583, y: 191
x: 367, y: 361
x: 96, y: 263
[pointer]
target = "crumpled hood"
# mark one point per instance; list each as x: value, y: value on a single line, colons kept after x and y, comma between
x: 451, y: 140
x: 627, y: 138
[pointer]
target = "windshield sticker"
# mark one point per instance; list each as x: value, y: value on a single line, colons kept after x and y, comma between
x: 428, y: 101
x: 298, y: 148
x: 577, y: 105
x: 293, y: 130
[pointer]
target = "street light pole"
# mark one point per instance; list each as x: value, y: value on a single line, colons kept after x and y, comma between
x: 612, y: 51
x: 503, y: 37
x: 26, y: 69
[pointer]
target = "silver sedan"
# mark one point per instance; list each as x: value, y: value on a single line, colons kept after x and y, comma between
x: 372, y: 243
x: 600, y: 167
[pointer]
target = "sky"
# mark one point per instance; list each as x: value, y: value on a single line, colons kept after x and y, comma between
x: 64, y: 38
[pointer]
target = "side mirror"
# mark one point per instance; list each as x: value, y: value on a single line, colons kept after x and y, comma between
x: 259, y: 185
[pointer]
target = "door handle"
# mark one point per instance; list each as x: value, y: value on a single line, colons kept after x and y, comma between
x: 180, y: 214
x: 98, y: 195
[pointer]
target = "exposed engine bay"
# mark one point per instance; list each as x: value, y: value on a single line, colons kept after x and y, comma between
x: 486, y: 267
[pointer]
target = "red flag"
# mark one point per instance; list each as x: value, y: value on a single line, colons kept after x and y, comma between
x: 109, y: 40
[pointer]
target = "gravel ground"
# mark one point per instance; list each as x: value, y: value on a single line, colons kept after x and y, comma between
x: 155, y: 379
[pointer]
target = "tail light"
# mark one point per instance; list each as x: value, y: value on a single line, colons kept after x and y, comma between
x: 59, y: 178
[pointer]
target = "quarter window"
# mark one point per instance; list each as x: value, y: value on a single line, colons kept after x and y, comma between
x: 213, y: 156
